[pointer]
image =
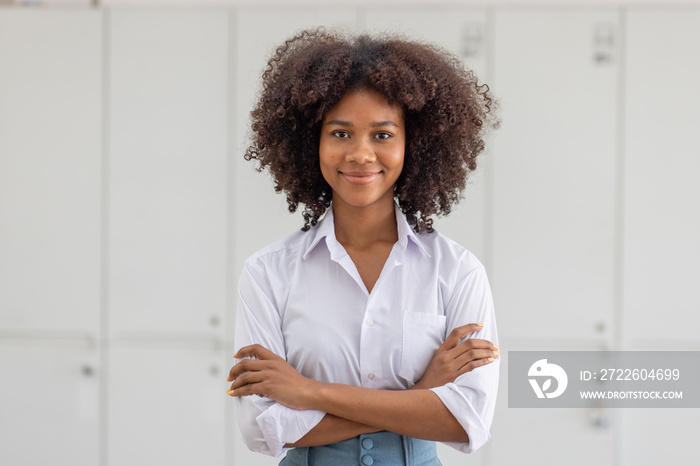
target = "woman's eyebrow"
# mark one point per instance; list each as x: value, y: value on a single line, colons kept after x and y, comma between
x: 374, y: 125
x: 384, y: 123
x: 339, y: 123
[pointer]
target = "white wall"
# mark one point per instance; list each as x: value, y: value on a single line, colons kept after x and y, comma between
x: 126, y: 207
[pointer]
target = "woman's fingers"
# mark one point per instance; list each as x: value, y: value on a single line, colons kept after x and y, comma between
x: 262, y: 354
x: 458, y: 333
x: 471, y: 359
x: 246, y: 365
x: 474, y: 363
x: 474, y: 354
x: 247, y: 378
x: 256, y: 350
x: 475, y: 343
x: 269, y: 375
x: 475, y: 349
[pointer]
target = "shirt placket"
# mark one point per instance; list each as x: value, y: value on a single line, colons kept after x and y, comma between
x: 373, y: 366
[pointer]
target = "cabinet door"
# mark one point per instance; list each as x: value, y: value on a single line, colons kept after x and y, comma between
x: 662, y: 195
x: 659, y: 436
x: 662, y: 216
x: 561, y: 436
x: 50, y: 162
x: 461, y: 31
x: 167, y: 172
x: 555, y: 168
x: 49, y: 408
x: 166, y: 406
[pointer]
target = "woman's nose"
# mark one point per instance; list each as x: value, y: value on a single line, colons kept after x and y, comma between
x: 361, y: 153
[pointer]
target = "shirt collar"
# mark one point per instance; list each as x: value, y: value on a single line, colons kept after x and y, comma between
x: 326, y: 229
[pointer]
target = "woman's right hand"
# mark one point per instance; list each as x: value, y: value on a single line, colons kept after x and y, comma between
x: 453, y: 358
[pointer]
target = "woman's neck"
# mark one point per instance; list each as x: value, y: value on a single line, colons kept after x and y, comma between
x: 360, y: 228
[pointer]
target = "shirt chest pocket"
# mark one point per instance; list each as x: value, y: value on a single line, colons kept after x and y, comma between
x: 423, y: 333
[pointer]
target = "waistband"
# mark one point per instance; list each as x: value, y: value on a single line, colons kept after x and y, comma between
x: 379, y: 448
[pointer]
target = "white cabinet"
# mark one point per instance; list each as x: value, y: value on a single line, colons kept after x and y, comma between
x: 462, y: 31
x: 50, y: 236
x: 662, y: 196
x: 165, y: 405
x: 662, y: 216
x: 50, y: 162
x: 168, y: 87
x: 168, y: 236
x: 555, y: 175
x: 49, y: 408
x: 554, y: 171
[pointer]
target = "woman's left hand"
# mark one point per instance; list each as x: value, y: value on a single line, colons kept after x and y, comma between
x: 453, y: 358
x: 271, y: 376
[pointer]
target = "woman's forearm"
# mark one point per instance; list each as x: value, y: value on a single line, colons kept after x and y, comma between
x: 414, y: 413
x: 332, y: 429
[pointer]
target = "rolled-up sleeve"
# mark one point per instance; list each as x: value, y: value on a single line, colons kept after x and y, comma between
x: 471, y: 398
x: 266, y: 425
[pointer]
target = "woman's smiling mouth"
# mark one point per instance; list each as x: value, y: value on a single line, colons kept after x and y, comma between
x: 356, y: 177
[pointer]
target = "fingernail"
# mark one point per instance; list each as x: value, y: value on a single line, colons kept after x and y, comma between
x: 495, y: 353
x: 234, y: 355
x: 490, y: 359
x: 228, y: 379
x: 495, y: 346
x: 480, y: 324
x: 230, y: 392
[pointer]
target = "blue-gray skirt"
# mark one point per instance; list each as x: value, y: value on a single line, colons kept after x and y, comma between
x: 380, y: 448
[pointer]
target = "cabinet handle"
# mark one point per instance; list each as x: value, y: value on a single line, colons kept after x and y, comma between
x: 599, y: 418
x: 603, y: 43
x: 472, y: 43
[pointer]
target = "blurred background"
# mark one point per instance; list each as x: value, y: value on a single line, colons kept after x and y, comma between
x: 127, y: 210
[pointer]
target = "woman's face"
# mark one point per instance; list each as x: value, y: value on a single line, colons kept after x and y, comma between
x: 362, y: 148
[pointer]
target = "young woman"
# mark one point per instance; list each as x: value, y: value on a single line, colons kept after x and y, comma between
x: 356, y: 334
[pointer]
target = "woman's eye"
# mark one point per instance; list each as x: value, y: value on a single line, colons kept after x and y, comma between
x: 340, y: 134
x: 382, y: 135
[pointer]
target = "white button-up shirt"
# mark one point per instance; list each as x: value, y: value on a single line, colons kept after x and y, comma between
x: 302, y: 298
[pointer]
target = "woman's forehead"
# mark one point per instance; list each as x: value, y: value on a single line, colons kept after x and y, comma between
x: 365, y: 102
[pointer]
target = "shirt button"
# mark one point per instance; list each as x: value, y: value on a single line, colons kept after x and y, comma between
x: 370, y: 322
x: 367, y: 443
x: 370, y: 376
x: 367, y: 460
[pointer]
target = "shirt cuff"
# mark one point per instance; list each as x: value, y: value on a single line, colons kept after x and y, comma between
x: 280, y: 425
x: 466, y: 415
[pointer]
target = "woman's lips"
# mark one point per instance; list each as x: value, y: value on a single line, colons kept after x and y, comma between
x: 360, y: 177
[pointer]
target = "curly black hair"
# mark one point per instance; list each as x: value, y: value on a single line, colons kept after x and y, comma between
x: 446, y: 113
